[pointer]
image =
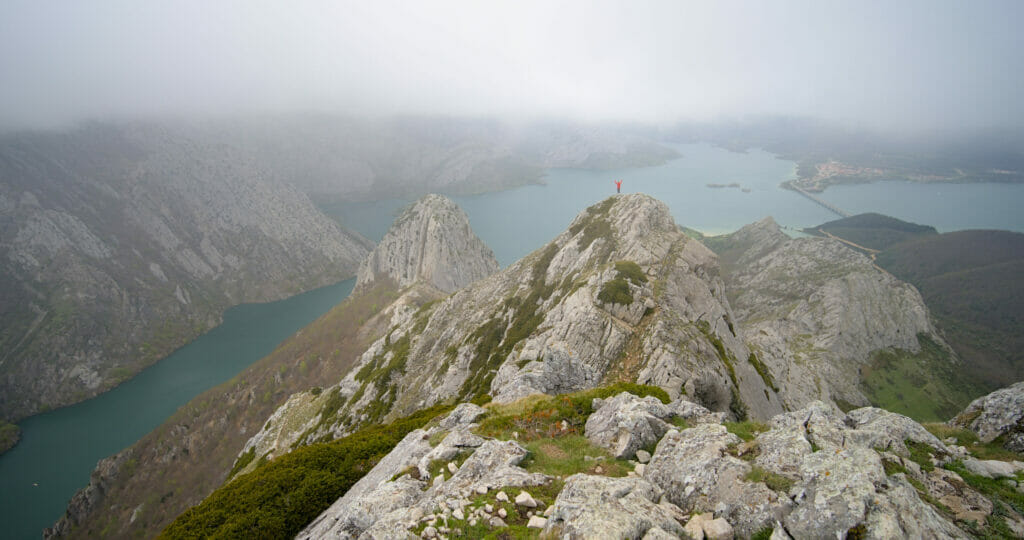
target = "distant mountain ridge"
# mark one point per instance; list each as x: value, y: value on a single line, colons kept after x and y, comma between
x: 119, y: 245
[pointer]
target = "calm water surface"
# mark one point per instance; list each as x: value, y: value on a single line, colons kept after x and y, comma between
x: 60, y: 448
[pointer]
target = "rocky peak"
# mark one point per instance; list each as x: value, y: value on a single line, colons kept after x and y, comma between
x: 431, y: 242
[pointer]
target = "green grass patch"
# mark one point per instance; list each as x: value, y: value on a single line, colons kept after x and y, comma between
x: 747, y: 429
x: 775, y: 482
x: 280, y: 498
x: 615, y: 291
x: 921, y: 453
x: 927, y: 386
x: 763, y: 371
x: 631, y: 271
x: 565, y: 456
x: 969, y: 440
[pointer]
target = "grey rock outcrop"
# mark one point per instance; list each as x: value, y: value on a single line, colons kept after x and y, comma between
x: 91, y: 497
x: 430, y: 242
x: 999, y: 414
x: 697, y: 474
x: 623, y: 424
x: 830, y: 476
x: 598, y: 507
x: 389, y: 500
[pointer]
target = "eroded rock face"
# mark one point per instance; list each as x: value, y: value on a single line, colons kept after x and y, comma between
x: 1000, y: 413
x: 431, y: 242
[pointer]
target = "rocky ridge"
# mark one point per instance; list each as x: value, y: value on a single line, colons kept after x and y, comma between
x: 119, y: 245
x: 430, y: 243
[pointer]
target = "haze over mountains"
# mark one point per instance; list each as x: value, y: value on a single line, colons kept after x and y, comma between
x: 161, y: 163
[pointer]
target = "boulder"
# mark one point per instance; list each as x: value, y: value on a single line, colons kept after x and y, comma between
x: 879, y: 428
x: 717, y: 529
x: 696, y: 472
x: 601, y: 507
x: 625, y: 423
x: 1000, y: 413
x: 837, y: 488
x: 990, y: 468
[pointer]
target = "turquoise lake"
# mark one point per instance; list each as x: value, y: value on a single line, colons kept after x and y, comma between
x: 60, y: 448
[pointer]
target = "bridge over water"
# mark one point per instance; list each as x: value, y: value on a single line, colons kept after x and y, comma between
x: 831, y: 207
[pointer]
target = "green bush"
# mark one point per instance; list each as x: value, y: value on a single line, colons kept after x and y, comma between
x: 615, y: 291
x: 280, y: 498
x: 631, y: 271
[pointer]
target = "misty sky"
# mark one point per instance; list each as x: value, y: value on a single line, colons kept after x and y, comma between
x: 907, y: 65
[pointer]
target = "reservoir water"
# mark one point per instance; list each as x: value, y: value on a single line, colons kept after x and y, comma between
x: 517, y: 221
x: 60, y: 448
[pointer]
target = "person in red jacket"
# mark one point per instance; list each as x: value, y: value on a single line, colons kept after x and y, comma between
x: 618, y: 186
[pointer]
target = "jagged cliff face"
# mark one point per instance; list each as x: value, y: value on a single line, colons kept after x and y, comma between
x: 430, y: 243
x: 814, y: 311
x: 623, y: 294
x: 119, y: 245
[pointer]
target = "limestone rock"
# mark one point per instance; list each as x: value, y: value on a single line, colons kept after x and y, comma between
x: 717, y: 529
x: 698, y: 475
x: 536, y: 522
x: 949, y: 489
x: 600, y: 507
x: 888, y: 430
x: 990, y: 468
x: 837, y: 489
x: 996, y: 414
x: 430, y: 242
x: 625, y: 423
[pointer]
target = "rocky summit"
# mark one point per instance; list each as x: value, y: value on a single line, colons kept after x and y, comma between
x: 430, y: 243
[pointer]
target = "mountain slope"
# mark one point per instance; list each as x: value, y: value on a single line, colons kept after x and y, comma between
x: 822, y: 319
x: 969, y: 279
x: 118, y: 246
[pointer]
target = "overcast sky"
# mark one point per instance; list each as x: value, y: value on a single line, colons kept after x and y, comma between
x: 884, y: 64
